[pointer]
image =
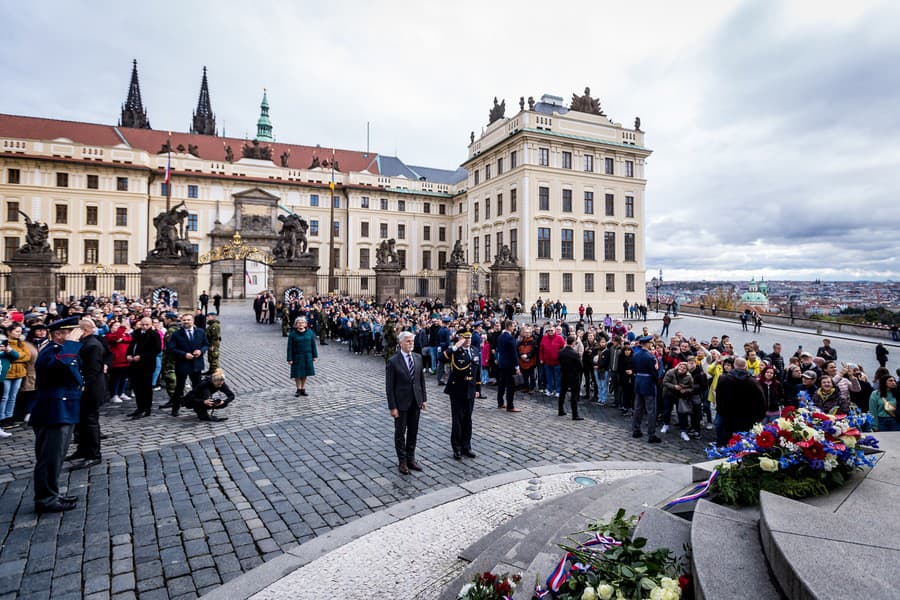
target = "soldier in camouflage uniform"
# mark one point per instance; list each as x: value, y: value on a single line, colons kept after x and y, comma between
x: 214, y: 336
x: 285, y: 319
x: 389, y: 335
x: 167, y: 374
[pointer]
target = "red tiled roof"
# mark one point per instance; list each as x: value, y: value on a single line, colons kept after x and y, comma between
x: 33, y: 128
x: 208, y: 147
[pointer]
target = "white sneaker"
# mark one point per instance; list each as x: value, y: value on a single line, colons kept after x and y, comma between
x: 115, y: 400
x: 4, y: 434
x: 685, y: 436
x: 709, y: 426
x: 664, y: 429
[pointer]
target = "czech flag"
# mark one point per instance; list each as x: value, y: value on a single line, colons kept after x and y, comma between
x: 168, y: 169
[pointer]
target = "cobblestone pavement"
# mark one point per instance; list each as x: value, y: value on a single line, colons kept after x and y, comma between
x: 179, y: 506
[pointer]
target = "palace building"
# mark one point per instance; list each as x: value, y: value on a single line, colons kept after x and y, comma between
x: 561, y: 187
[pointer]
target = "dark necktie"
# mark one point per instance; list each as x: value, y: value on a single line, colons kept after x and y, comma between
x: 409, y: 363
x: 190, y: 333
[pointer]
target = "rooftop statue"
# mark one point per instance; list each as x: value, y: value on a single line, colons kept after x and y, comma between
x: 586, y: 104
x: 497, y: 112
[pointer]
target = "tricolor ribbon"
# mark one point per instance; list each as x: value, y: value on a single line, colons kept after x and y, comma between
x: 699, y: 491
x: 560, y: 574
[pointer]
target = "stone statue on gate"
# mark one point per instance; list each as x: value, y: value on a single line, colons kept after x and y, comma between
x: 504, y: 257
x: 386, y: 255
x: 36, y: 235
x: 292, y: 239
x: 171, y: 234
x: 457, y: 255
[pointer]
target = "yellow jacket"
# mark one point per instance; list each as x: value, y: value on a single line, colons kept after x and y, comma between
x: 18, y: 369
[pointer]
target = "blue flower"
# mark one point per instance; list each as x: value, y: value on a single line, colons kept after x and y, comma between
x: 817, y: 464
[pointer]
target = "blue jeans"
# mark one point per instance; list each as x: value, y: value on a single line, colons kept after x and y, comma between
x: 602, y: 380
x: 552, y: 374
x: 158, y: 368
x: 433, y: 350
x: 10, y: 391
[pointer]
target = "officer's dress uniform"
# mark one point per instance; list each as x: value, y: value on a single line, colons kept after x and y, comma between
x: 54, y: 413
x: 465, y: 370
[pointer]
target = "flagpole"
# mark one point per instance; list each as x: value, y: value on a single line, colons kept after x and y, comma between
x: 169, y: 172
x: 331, y: 282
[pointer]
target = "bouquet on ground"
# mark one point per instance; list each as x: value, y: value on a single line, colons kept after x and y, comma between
x: 487, y: 586
x: 803, y: 453
x: 613, y: 565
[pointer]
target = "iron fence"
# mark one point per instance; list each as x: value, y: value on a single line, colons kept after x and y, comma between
x: 102, y: 285
x: 346, y: 285
x: 5, y: 291
x: 423, y: 286
x: 481, y: 283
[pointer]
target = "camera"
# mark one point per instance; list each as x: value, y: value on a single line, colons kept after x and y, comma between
x: 4, y: 341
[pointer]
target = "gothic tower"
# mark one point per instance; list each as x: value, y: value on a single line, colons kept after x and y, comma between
x: 264, y: 125
x: 204, y: 121
x: 133, y: 113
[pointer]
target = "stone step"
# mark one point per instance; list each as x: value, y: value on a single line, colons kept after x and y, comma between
x: 727, y: 555
x: 664, y: 530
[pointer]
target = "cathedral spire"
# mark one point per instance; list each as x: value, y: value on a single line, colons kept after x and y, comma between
x: 264, y: 125
x: 204, y: 121
x: 133, y: 113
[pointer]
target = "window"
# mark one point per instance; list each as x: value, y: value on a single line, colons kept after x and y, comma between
x: 589, y: 163
x: 512, y: 159
x: 567, y: 244
x: 163, y: 187
x: 608, y: 166
x: 442, y: 234
x: 426, y: 259
x: 475, y: 249
x: 12, y: 212
x: 567, y: 200
x: 196, y: 249
x: 499, y: 204
x: 401, y: 205
x: 61, y: 250
x: 487, y: 208
x: 401, y: 231
x: 336, y: 229
x: 477, y: 177
x: 629, y: 168
x: 588, y: 282
x: 543, y: 198
x: 566, y: 160
x: 122, y: 218
x: 543, y: 242
x: 426, y: 233
x: 589, y: 203
x: 487, y: 248
x: 315, y: 253
x: 313, y: 199
x: 313, y: 227
x: 336, y: 201
x: 629, y: 247
x: 609, y: 245
x: 629, y: 207
x: 91, y: 252
x: 426, y: 208
x: 589, y: 253
x: 610, y: 282
x: 122, y: 184
x: 363, y: 258
x: 544, y: 157
x: 93, y: 183
x: 383, y: 230
x: 629, y: 282
x: 90, y: 215
x: 193, y: 221
x: 499, y: 166
x: 514, y: 242
x: 499, y: 237
x: 512, y: 200
x: 384, y: 204
x: 567, y: 282
x: 10, y: 245
x: 62, y: 214
x: 442, y: 209
x: 487, y: 172
x: 364, y: 283
x: 62, y: 180
x: 364, y: 202
x: 193, y: 191
x: 13, y: 176
x: 120, y: 252
x: 336, y: 257
x: 459, y: 232
x: 90, y: 282
x: 475, y: 216
x: 442, y: 260
x: 610, y: 205
x: 364, y: 229
x: 119, y: 281
x: 543, y: 282
x: 401, y: 254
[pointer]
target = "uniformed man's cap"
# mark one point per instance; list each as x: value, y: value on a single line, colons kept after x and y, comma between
x: 68, y: 323
x: 465, y: 334
x: 171, y: 315
x: 644, y: 339
x: 447, y: 319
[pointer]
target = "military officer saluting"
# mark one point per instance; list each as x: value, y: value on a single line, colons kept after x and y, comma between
x: 465, y: 370
x: 55, y: 411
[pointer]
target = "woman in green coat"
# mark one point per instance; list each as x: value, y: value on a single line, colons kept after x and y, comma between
x: 302, y: 352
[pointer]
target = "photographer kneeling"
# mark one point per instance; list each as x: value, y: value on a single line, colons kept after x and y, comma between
x: 201, y: 400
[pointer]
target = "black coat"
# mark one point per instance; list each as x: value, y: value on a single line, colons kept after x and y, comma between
x: 95, y: 358
x: 147, y: 345
x: 739, y: 401
x: 570, y: 367
x: 402, y: 390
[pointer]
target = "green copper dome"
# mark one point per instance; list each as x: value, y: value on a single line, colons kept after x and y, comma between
x: 264, y: 125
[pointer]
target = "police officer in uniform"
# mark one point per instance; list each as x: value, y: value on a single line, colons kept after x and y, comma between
x: 465, y: 370
x: 55, y: 412
x: 167, y: 374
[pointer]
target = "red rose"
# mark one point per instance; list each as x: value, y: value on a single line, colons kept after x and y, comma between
x: 786, y: 434
x: 735, y: 440
x: 788, y: 411
x: 684, y: 581
x: 821, y: 416
x: 765, y: 440
x: 814, y: 451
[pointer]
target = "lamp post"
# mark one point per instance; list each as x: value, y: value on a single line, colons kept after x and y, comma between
x: 656, y: 282
x: 791, y: 300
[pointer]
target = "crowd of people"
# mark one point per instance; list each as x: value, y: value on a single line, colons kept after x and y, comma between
x: 60, y: 362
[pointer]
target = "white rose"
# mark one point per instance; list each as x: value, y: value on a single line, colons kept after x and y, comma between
x: 465, y: 590
x: 768, y: 464
x: 671, y: 594
x: 656, y: 593
x: 589, y: 594
x: 605, y: 591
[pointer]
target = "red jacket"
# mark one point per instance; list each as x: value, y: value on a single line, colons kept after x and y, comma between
x: 118, y: 343
x: 549, y: 350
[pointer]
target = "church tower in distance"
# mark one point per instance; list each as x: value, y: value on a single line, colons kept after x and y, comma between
x: 204, y: 121
x: 133, y: 113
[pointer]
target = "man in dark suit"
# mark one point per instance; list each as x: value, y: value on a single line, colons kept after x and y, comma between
x: 95, y: 360
x: 507, y: 363
x: 465, y: 370
x: 405, y: 384
x: 187, y: 346
x: 204, y: 302
x: 141, y: 356
x: 570, y: 368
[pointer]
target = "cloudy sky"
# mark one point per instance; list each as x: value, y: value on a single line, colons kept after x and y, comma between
x: 775, y: 125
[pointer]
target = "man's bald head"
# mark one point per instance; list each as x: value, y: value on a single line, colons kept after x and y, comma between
x: 740, y: 363
x: 87, y: 326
